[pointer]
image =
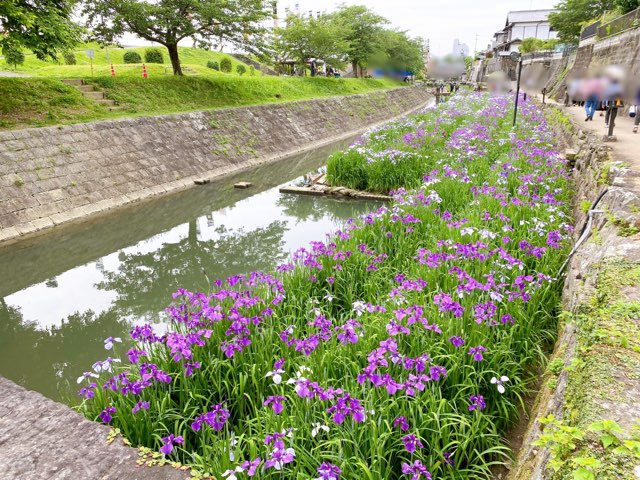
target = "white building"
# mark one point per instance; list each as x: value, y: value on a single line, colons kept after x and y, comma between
x: 520, y: 25
x: 460, y: 49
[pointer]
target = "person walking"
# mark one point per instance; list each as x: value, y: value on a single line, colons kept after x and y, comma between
x: 592, y: 92
x: 637, y: 114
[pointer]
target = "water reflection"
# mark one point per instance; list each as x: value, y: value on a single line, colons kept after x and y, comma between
x: 63, y: 294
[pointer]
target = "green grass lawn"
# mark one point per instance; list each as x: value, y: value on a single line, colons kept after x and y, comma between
x: 194, y: 59
x: 37, y: 102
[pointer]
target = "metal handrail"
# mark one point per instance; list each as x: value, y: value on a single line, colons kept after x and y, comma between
x: 620, y: 25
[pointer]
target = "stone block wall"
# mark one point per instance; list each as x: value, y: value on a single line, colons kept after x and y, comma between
x: 54, y: 175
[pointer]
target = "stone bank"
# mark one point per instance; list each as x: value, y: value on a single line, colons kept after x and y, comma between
x: 55, y: 175
x: 594, y: 373
x: 44, y: 440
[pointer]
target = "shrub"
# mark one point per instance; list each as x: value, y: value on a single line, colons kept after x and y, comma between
x: 241, y: 69
x: 252, y: 70
x: 213, y: 65
x: 132, y: 57
x: 153, y: 55
x: 69, y: 58
x: 225, y: 65
x: 14, y: 57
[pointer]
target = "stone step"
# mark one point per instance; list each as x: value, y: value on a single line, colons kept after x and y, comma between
x: 73, y: 82
x: 116, y: 108
x: 96, y: 95
x: 86, y: 88
x: 106, y: 102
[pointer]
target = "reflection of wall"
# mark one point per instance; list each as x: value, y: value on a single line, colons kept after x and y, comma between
x: 54, y: 175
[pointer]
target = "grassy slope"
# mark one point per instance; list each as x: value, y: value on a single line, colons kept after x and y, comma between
x: 34, y: 102
x: 38, y: 102
x: 194, y: 59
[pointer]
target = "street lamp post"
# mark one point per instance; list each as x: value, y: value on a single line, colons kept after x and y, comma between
x: 515, y: 56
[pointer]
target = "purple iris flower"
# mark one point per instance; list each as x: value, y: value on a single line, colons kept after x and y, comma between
x: 169, y: 442
x: 140, y: 406
x: 328, y: 471
x: 251, y: 466
x: 456, y: 341
x: 402, y: 423
x: 411, y: 443
x: 276, y: 402
x: 417, y: 470
x: 107, y: 414
x: 477, y: 403
x: 216, y: 418
x: 476, y: 352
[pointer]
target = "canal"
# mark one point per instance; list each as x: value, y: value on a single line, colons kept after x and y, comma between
x: 63, y: 293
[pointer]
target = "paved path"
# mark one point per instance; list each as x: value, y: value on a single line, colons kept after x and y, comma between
x: 627, y: 147
x: 44, y: 440
x: 13, y: 74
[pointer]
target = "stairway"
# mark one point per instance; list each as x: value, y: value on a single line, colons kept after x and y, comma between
x: 95, y: 94
x: 258, y: 66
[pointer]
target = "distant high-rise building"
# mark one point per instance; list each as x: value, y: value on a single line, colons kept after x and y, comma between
x: 460, y: 49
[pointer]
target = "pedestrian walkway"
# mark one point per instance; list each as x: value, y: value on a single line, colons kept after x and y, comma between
x: 625, y: 149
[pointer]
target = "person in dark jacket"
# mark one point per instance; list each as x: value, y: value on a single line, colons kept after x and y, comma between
x: 637, y: 105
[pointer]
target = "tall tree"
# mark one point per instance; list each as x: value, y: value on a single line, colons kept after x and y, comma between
x: 571, y: 15
x: 363, y: 33
x: 400, y: 53
x: 167, y: 22
x: 308, y: 37
x: 43, y: 26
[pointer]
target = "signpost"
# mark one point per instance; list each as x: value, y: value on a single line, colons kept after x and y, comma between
x: 516, y: 57
x: 90, y: 53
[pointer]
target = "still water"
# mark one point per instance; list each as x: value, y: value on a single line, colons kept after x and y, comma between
x: 63, y: 293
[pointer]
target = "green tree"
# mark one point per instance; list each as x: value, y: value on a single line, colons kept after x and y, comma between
x: 14, y: 57
x: 42, y: 26
x: 167, y: 22
x: 571, y: 15
x: 306, y: 38
x: 241, y: 69
x: 399, y: 52
x: 627, y: 6
x: 363, y: 29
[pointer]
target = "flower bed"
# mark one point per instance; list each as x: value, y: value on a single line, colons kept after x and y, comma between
x: 397, y: 348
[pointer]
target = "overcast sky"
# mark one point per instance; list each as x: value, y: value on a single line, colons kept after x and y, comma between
x: 441, y: 21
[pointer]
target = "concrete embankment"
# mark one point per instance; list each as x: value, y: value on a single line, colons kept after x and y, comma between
x: 56, y: 175
x: 588, y: 406
x: 44, y: 440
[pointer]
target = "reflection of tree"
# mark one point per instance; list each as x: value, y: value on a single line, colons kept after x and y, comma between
x: 50, y: 360
x: 145, y: 281
x: 316, y: 208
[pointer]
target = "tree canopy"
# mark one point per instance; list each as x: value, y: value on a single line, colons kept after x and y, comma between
x: 571, y: 15
x: 363, y: 33
x: 307, y: 38
x: 43, y: 26
x: 351, y: 34
x: 167, y: 22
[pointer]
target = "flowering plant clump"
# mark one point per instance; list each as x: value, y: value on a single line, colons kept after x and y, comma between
x: 396, y: 349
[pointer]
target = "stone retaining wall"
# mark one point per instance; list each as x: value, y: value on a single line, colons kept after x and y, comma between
x: 594, y: 373
x: 55, y: 175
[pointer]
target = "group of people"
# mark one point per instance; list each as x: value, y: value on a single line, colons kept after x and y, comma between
x: 604, y: 91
